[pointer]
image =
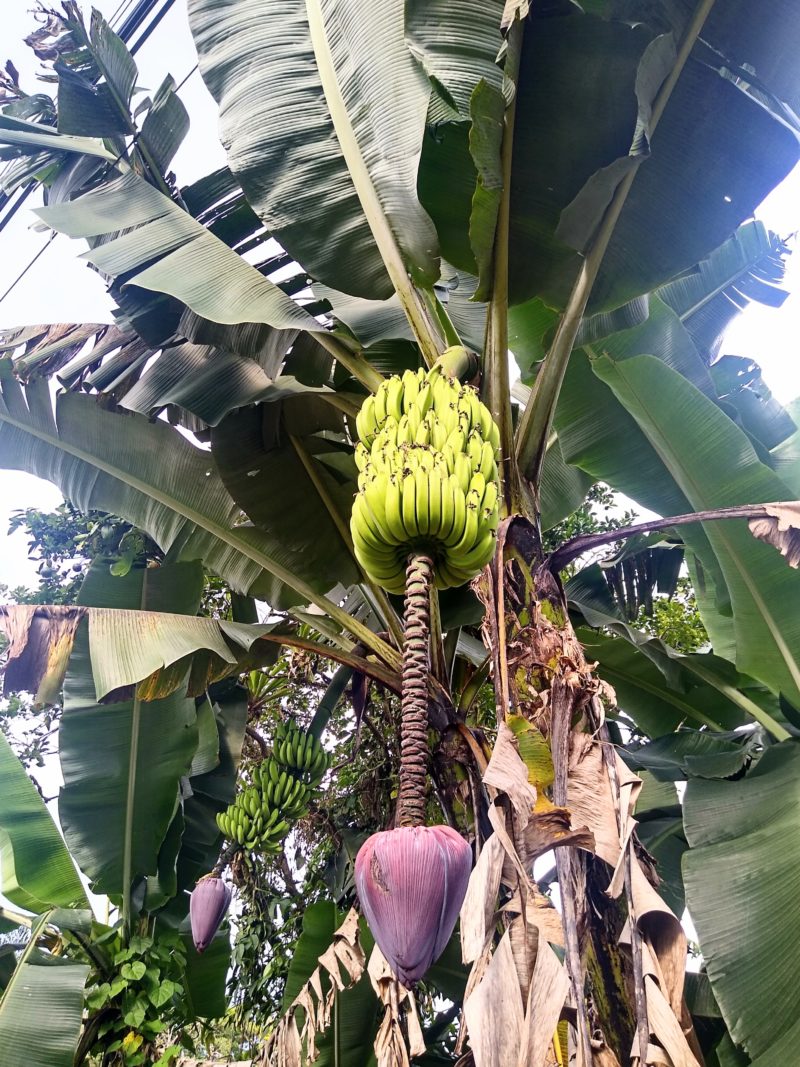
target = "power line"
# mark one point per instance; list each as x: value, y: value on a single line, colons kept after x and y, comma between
x: 25, y: 270
x: 128, y: 28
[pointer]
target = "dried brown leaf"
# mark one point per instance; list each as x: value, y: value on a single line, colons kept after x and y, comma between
x: 548, y: 991
x: 547, y: 830
x: 666, y: 1029
x: 540, y: 914
x: 285, y: 1045
x: 507, y: 773
x: 40, y: 643
x: 780, y: 527
x: 391, y: 1048
x: 478, y: 909
x: 524, y: 939
x: 591, y: 800
x: 494, y: 1012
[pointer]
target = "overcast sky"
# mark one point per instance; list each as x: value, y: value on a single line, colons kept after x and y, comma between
x: 59, y: 288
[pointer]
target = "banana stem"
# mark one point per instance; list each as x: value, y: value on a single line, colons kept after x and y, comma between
x: 416, y: 667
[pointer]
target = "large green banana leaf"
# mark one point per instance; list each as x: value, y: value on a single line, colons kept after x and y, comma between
x: 185, y: 259
x: 122, y: 762
x: 250, y: 446
x: 714, y: 464
x: 656, y: 706
x: 580, y: 128
x: 701, y: 686
x: 37, y: 870
x: 748, y: 266
x: 116, y: 464
x: 41, y: 1009
x: 211, y: 791
x: 741, y: 876
x: 766, y: 36
x: 322, y: 109
x: 597, y: 434
x: 458, y: 43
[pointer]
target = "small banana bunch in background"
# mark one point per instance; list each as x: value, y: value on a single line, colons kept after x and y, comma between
x: 427, y: 461
x: 282, y: 786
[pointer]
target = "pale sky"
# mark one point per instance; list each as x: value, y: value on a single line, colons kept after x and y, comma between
x: 59, y: 288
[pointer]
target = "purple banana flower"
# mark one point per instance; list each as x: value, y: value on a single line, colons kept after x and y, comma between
x: 411, y: 883
x: 207, y: 906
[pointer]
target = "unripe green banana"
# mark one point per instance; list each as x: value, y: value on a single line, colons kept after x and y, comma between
x: 393, y: 509
x: 429, y: 455
x: 394, y: 397
x: 421, y: 494
x: 434, y: 503
x: 411, y: 383
x: 409, y: 506
x: 470, y: 533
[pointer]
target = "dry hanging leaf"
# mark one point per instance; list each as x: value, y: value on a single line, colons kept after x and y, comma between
x: 547, y: 830
x: 494, y: 1012
x: 285, y: 1046
x: 592, y: 800
x: 390, y: 1046
x: 539, y: 913
x: 548, y: 991
x: 780, y: 527
x: 478, y: 909
x: 508, y: 774
x: 40, y: 643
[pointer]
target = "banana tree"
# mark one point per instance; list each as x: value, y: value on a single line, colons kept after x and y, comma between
x: 570, y: 183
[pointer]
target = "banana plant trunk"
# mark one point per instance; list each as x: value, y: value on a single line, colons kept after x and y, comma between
x: 540, y: 673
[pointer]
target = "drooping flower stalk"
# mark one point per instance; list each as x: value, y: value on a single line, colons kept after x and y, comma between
x: 427, y: 510
x: 416, y: 667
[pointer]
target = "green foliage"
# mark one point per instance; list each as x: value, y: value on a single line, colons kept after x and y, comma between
x: 65, y: 540
x: 676, y: 620
x: 135, y: 991
x: 599, y: 512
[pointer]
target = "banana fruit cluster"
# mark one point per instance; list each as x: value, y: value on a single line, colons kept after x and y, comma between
x: 427, y: 461
x: 301, y: 753
x: 282, y: 785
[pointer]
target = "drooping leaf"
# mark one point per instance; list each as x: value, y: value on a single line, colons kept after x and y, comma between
x: 206, y: 974
x: 715, y: 465
x: 325, y: 168
x: 268, y: 478
x: 41, y: 1010
x: 348, y: 1041
x: 37, y: 870
x: 737, y: 831
x: 122, y: 762
x: 113, y: 463
x: 170, y: 252
x: 643, y: 694
x: 748, y: 266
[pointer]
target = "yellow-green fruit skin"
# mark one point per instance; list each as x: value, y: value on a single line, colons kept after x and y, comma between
x: 427, y: 464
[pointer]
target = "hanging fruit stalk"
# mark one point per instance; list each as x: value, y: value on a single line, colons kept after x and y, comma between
x: 260, y: 817
x: 427, y: 512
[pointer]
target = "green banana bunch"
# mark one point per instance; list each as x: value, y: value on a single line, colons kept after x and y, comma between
x: 302, y: 755
x: 427, y: 479
x: 281, y: 790
x: 261, y: 815
x: 264, y: 831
